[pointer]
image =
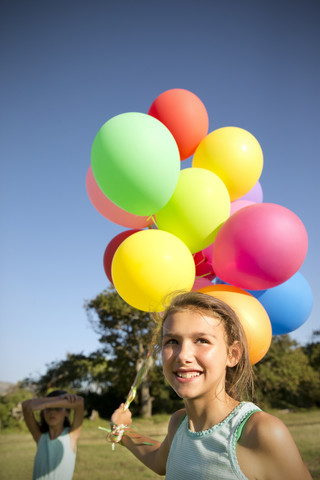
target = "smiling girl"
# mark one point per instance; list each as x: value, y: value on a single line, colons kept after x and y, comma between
x: 217, y: 435
x: 56, y: 438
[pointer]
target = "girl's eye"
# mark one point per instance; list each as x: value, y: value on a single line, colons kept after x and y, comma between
x: 170, y: 341
x: 202, y: 340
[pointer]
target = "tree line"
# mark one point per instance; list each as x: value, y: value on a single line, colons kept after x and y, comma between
x: 287, y: 377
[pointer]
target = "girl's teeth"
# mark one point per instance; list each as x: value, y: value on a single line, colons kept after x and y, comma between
x: 188, y: 374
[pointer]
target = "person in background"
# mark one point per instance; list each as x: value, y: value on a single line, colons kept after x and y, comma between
x: 55, y: 436
x: 216, y: 435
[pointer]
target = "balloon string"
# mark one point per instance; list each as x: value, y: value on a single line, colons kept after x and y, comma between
x: 204, y: 275
x: 141, y: 372
x: 154, y: 220
x: 199, y: 263
x: 118, y: 430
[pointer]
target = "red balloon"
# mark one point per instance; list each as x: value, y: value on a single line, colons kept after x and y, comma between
x: 184, y: 114
x: 203, y: 265
x: 111, y: 211
x: 259, y: 247
x: 111, y: 250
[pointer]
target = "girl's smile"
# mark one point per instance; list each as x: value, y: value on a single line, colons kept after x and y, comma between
x: 194, y: 353
x: 187, y: 375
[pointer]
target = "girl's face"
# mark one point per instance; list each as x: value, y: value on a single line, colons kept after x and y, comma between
x: 195, y: 354
x: 55, y: 416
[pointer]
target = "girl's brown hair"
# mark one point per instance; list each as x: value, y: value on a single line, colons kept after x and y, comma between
x: 239, y: 379
x: 43, y: 424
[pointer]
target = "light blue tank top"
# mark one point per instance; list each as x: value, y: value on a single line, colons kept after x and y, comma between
x: 54, y: 459
x: 210, y: 454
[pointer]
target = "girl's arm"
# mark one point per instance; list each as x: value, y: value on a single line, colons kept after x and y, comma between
x: 73, y: 402
x: 150, y: 452
x: 28, y: 407
x: 272, y: 450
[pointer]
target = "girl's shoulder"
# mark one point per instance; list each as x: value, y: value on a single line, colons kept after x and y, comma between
x: 266, y: 435
x: 270, y: 449
x: 178, y: 416
x: 264, y: 428
x: 175, y: 421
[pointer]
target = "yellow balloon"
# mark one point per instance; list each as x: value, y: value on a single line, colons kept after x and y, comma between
x: 148, y: 266
x: 234, y: 155
x: 252, y: 315
x: 197, y: 209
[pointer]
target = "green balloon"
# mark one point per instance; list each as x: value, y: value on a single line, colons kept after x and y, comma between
x: 136, y: 163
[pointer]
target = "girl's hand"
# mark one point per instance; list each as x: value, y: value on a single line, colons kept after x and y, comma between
x: 121, y: 417
x: 69, y: 397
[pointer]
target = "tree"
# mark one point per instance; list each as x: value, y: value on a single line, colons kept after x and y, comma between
x: 77, y: 372
x: 284, y: 377
x: 126, y: 334
x: 312, y: 350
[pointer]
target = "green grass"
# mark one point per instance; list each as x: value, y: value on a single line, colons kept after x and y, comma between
x: 96, y: 460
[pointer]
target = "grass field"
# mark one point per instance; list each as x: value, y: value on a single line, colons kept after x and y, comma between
x: 97, y: 461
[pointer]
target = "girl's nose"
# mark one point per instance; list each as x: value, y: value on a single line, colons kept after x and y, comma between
x: 185, y: 353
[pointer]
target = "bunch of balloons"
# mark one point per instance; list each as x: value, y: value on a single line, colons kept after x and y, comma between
x: 202, y: 228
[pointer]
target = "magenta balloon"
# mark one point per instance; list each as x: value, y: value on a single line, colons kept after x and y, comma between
x: 208, y: 252
x: 200, y: 283
x: 238, y: 204
x: 254, y: 195
x: 111, y: 211
x: 259, y: 247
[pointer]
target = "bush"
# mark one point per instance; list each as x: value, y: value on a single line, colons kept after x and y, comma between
x: 10, y: 406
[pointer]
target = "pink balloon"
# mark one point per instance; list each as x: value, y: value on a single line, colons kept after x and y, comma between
x: 259, y: 247
x: 255, y: 194
x: 238, y: 204
x: 208, y: 253
x: 200, y: 283
x: 111, y: 211
x: 111, y: 250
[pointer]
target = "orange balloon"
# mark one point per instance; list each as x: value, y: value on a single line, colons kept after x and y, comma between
x: 184, y: 114
x: 252, y: 315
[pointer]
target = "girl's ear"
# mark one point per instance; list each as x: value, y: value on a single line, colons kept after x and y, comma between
x: 234, y: 354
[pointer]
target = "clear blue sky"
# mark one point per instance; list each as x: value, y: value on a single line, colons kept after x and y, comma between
x: 66, y: 68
